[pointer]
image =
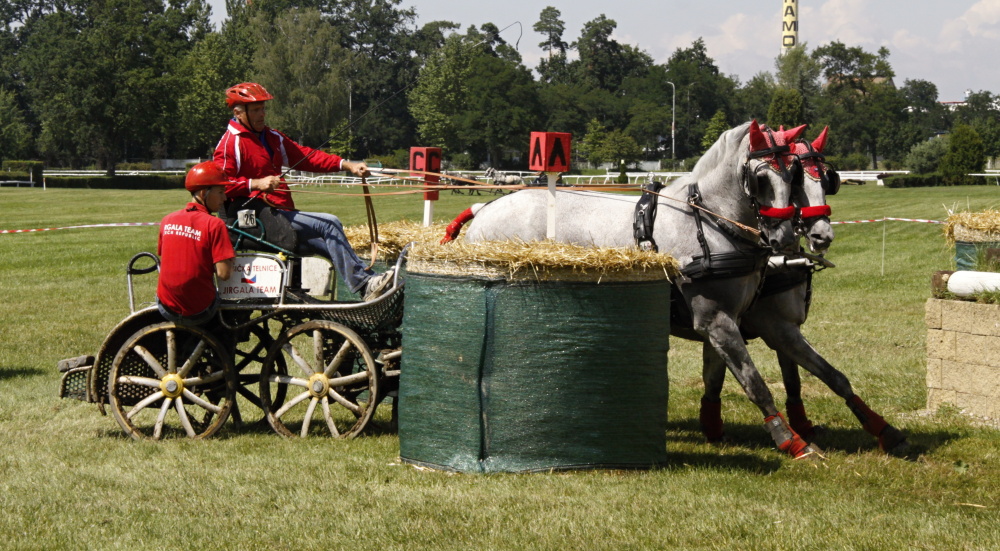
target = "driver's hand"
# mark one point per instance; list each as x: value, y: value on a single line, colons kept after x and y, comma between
x: 266, y: 184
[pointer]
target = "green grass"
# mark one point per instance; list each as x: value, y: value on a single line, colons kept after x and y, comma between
x: 69, y: 479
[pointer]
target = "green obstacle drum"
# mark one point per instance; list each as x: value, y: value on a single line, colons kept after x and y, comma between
x: 504, y: 374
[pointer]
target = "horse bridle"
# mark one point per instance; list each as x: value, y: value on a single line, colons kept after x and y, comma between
x: 793, y: 175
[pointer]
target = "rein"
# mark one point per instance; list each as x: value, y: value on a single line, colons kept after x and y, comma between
x: 372, y: 221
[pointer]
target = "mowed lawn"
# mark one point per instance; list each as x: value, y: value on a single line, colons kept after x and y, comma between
x: 70, y: 479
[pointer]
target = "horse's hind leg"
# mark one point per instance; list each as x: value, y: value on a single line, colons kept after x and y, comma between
x: 796, y: 410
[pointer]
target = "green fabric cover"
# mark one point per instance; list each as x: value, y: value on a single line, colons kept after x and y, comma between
x: 509, y: 377
x: 968, y: 255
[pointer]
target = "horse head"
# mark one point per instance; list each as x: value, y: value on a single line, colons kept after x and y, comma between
x: 813, y: 220
x: 770, y: 173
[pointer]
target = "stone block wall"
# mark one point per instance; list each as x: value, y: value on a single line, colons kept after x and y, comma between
x: 963, y: 356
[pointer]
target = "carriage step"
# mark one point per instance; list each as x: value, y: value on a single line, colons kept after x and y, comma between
x: 76, y: 372
x: 73, y: 363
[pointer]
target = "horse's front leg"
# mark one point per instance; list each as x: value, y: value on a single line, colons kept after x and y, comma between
x: 799, y: 351
x: 713, y: 374
x: 721, y: 331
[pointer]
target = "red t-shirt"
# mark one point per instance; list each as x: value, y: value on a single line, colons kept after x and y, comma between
x: 191, y: 242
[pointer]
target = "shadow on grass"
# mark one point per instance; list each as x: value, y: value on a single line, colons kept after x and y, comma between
x: 18, y: 372
x: 845, y: 440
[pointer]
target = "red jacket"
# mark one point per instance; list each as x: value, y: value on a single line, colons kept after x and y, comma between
x: 242, y: 156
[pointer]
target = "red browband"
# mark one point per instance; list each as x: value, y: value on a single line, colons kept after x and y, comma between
x: 813, y: 212
x: 783, y: 213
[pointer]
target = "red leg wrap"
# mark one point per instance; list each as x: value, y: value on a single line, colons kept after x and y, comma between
x: 799, y: 421
x: 786, y: 438
x: 451, y: 232
x: 711, y: 420
x: 873, y: 423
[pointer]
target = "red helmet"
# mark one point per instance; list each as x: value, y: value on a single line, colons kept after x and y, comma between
x: 205, y: 175
x: 247, y: 92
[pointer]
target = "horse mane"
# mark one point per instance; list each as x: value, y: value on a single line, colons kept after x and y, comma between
x: 722, y: 148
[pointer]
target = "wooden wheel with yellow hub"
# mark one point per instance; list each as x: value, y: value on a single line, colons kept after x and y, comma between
x: 331, y: 383
x: 171, y: 380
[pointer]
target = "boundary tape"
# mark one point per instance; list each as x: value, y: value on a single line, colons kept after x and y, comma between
x: 133, y: 224
x: 888, y: 219
x: 121, y: 225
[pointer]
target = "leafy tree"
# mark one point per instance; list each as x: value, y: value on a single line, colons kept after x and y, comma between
x: 101, y: 75
x: 207, y: 71
x: 715, y: 128
x: 753, y: 99
x: 591, y: 147
x: 966, y: 154
x: 787, y: 108
x: 551, y: 27
x: 797, y: 70
x: 475, y: 96
x: 303, y: 65
x: 604, y: 63
x: 860, y: 101
x: 439, y: 93
x: 982, y: 112
x: 386, y: 63
x: 553, y: 68
x: 15, y: 133
x: 701, y: 92
x: 925, y: 157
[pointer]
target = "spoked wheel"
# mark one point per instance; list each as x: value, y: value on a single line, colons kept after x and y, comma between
x: 171, y: 380
x: 249, y: 358
x: 331, y: 383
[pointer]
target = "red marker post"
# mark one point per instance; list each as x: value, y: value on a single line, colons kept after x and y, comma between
x: 549, y: 153
x: 427, y: 159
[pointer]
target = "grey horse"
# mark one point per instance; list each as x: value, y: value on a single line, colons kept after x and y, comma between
x: 707, y: 221
x: 782, y: 308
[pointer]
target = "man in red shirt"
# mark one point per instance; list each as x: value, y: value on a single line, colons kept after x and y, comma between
x: 252, y: 156
x: 194, y: 246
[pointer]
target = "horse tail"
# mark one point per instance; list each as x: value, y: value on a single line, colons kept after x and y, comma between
x: 453, y: 229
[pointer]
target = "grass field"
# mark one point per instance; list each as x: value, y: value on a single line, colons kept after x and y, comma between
x: 70, y: 479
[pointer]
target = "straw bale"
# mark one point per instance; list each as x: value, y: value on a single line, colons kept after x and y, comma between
x: 510, y: 259
x: 973, y: 227
x: 541, y: 260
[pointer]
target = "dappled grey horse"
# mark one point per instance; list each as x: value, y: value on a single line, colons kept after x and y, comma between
x: 782, y: 308
x: 707, y: 220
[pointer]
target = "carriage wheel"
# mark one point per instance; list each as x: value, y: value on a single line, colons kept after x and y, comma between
x: 249, y: 357
x: 171, y: 380
x: 331, y: 384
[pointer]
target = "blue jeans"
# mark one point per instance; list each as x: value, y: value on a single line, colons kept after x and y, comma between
x: 323, y: 234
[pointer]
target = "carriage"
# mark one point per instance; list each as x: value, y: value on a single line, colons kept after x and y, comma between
x: 276, y: 354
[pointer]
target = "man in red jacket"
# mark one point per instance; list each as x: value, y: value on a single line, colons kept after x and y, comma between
x: 194, y: 246
x: 252, y: 156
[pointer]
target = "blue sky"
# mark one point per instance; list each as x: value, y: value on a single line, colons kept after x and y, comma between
x: 953, y: 43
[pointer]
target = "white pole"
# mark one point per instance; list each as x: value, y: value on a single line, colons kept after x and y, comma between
x: 428, y: 213
x: 884, y: 224
x: 550, y: 228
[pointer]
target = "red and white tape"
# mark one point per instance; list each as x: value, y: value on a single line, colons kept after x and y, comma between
x: 888, y: 219
x: 124, y: 224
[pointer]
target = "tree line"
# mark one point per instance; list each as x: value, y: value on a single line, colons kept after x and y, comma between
x: 102, y: 82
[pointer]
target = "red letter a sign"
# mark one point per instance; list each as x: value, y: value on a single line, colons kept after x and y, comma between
x: 549, y: 151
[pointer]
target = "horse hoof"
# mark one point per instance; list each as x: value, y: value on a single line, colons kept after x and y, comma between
x: 811, y: 453
x: 893, y: 442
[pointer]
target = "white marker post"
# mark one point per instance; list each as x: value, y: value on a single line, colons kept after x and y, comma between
x: 549, y: 153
